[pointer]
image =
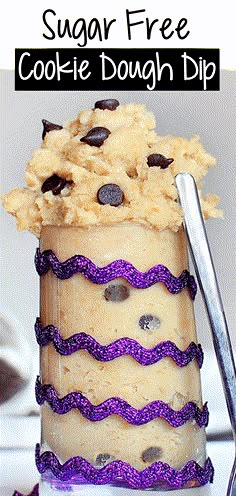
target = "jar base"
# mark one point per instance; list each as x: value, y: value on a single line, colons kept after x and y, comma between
x: 54, y: 487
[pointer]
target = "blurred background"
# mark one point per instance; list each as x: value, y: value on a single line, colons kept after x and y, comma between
x: 209, y: 115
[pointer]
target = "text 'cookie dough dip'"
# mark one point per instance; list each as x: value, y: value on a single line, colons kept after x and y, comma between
x: 119, y: 386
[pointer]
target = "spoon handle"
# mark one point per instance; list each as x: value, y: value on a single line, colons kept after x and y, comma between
x: 202, y: 259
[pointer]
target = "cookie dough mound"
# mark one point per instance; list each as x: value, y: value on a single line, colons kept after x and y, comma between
x: 115, y: 146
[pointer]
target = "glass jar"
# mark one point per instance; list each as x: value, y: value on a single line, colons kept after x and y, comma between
x: 119, y: 386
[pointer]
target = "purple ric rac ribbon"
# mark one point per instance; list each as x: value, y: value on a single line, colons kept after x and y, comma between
x: 120, y: 347
x: 118, y: 406
x: 122, y: 471
x: 157, y: 472
x: 119, y: 268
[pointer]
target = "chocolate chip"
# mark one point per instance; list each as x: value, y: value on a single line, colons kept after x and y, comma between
x: 155, y: 159
x: 109, y: 104
x: 55, y: 184
x: 96, y: 136
x: 10, y: 381
x: 102, y: 459
x: 116, y: 292
x: 149, y: 322
x: 110, y: 194
x: 49, y: 126
x: 152, y: 454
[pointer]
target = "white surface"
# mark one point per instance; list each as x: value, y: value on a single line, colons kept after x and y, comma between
x: 18, y: 472
x: 19, y: 432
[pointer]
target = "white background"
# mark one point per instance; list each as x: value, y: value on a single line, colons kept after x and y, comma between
x: 211, y: 25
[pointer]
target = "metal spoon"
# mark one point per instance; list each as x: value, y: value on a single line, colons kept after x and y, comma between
x: 202, y: 259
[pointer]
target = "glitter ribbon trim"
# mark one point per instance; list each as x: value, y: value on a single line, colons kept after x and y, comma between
x: 119, y: 268
x: 119, y: 470
x: 120, y: 347
x: 34, y: 492
x: 118, y: 406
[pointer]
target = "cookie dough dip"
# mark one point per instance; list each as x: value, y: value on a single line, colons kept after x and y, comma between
x: 119, y: 384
